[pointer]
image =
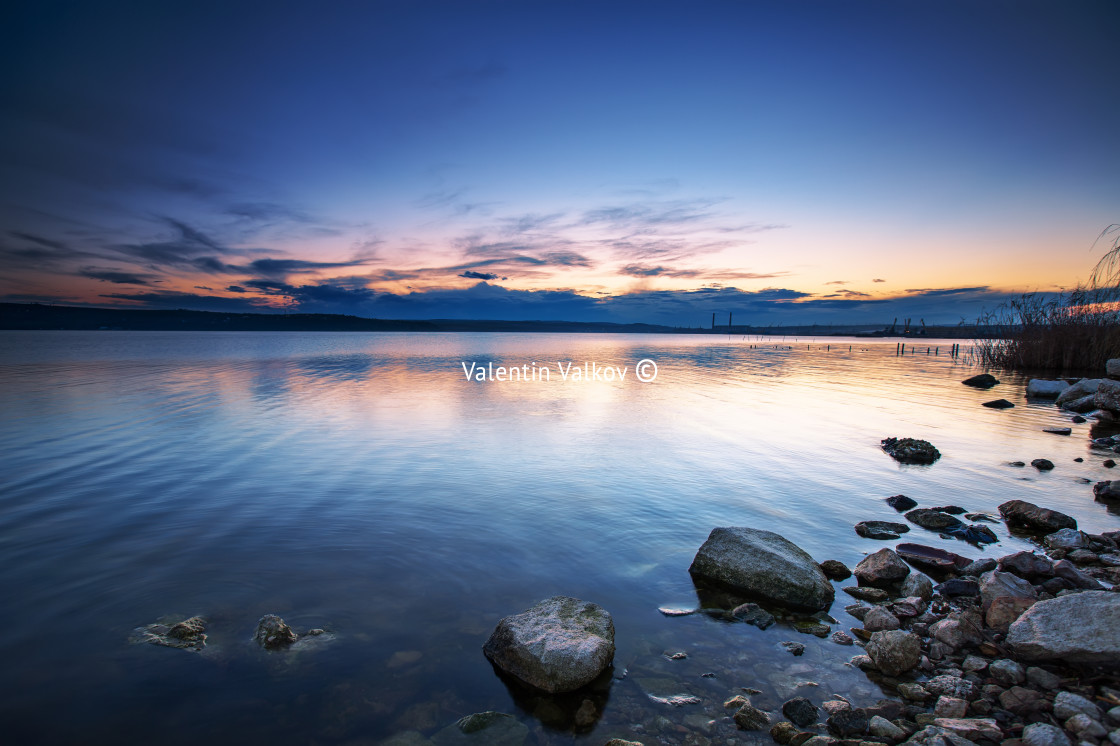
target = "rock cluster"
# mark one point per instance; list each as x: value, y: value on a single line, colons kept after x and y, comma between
x: 910, y: 450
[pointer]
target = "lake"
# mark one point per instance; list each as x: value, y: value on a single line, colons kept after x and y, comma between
x: 362, y: 484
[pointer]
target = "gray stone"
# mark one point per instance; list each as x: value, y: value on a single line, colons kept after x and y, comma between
x: 1068, y: 704
x: 1066, y: 538
x: 1108, y: 490
x: 1045, y: 389
x: 1004, y: 597
x: 800, y: 711
x: 1042, y: 678
x: 981, y: 381
x: 188, y: 634
x: 835, y: 570
x: 1007, y: 672
x: 557, y: 645
x: 973, y: 663
x: 912, y: 691
x: 950, y: 707
x: 979, y: 566
x: 1027, y: 565
x: 974, y: 729
x: 1067, y: 571
x: 901, y: 502
x: 957, y: 630
x: 753, y: 614
x: 1044, y: 734
x: 273, y: 633
x: 1085, y: 727
x: 911, y: 450
x: 951, y: 686
x: 880, y: 727
x: 878, y: 619
x: 1030, y: 515
x: 881, y: 568
x: 934, y: 520
x: 866, y: 594
x: 1084, y: 387
x: 917, y: 584
x: 932, y: 735
x: 1078, y: 628
x: 1112, y: 368
x: 764, y: 565
x: 894, y: 652
x: 1108, y: 396
x: 848, y: 723
x: 749, y: 717
x: 883, y: 530
x: 1082, y: 405
x: 490, y: 728
x: 1042, y: 464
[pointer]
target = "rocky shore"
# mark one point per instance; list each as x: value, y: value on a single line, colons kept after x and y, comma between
x: 1021, y: 649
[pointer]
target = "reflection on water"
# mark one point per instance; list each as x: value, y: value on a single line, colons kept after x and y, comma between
x: 359, y: 482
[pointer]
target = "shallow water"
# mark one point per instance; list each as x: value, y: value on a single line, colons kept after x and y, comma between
x: 359, y: 483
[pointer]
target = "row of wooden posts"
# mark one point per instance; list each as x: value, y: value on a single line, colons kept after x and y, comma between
x: 900, y: 349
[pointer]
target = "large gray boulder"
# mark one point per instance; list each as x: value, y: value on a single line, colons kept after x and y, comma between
x: 1044, y: 389
x: 763, y: 565
x: 1084, y: 387
x: 1078, y: 628
x: 557, y: 645
x: 1108, y: 396
x: 1112, y: 368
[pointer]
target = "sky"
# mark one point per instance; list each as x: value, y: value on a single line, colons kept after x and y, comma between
x: 785, y: 162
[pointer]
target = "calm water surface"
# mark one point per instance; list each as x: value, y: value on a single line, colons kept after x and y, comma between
x: 359, y: 483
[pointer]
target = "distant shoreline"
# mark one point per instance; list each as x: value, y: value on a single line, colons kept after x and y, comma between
x: 40, y: 317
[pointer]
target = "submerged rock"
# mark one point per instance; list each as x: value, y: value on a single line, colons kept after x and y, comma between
x: 753, y: 614
x: 764, y: 565
x: 1078, y: 628
x: 188, y: 634
x: 884, y: 530
x: 273, y: 633
x: 490, y: 728
x: 910, y: 450
x: 1028, y: 514
x: 982, y: 381
x: 557, y: 645
x: 800, y: 711
x: 998, y: 404
x: 750, y: 717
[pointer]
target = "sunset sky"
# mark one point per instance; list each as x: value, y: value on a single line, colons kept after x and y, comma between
x: 790, y: 162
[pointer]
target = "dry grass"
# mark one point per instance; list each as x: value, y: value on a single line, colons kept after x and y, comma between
x: 1075, y: 331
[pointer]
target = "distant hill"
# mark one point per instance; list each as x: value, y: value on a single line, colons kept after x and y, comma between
x: 37, y: 316
x: 30, y: 316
